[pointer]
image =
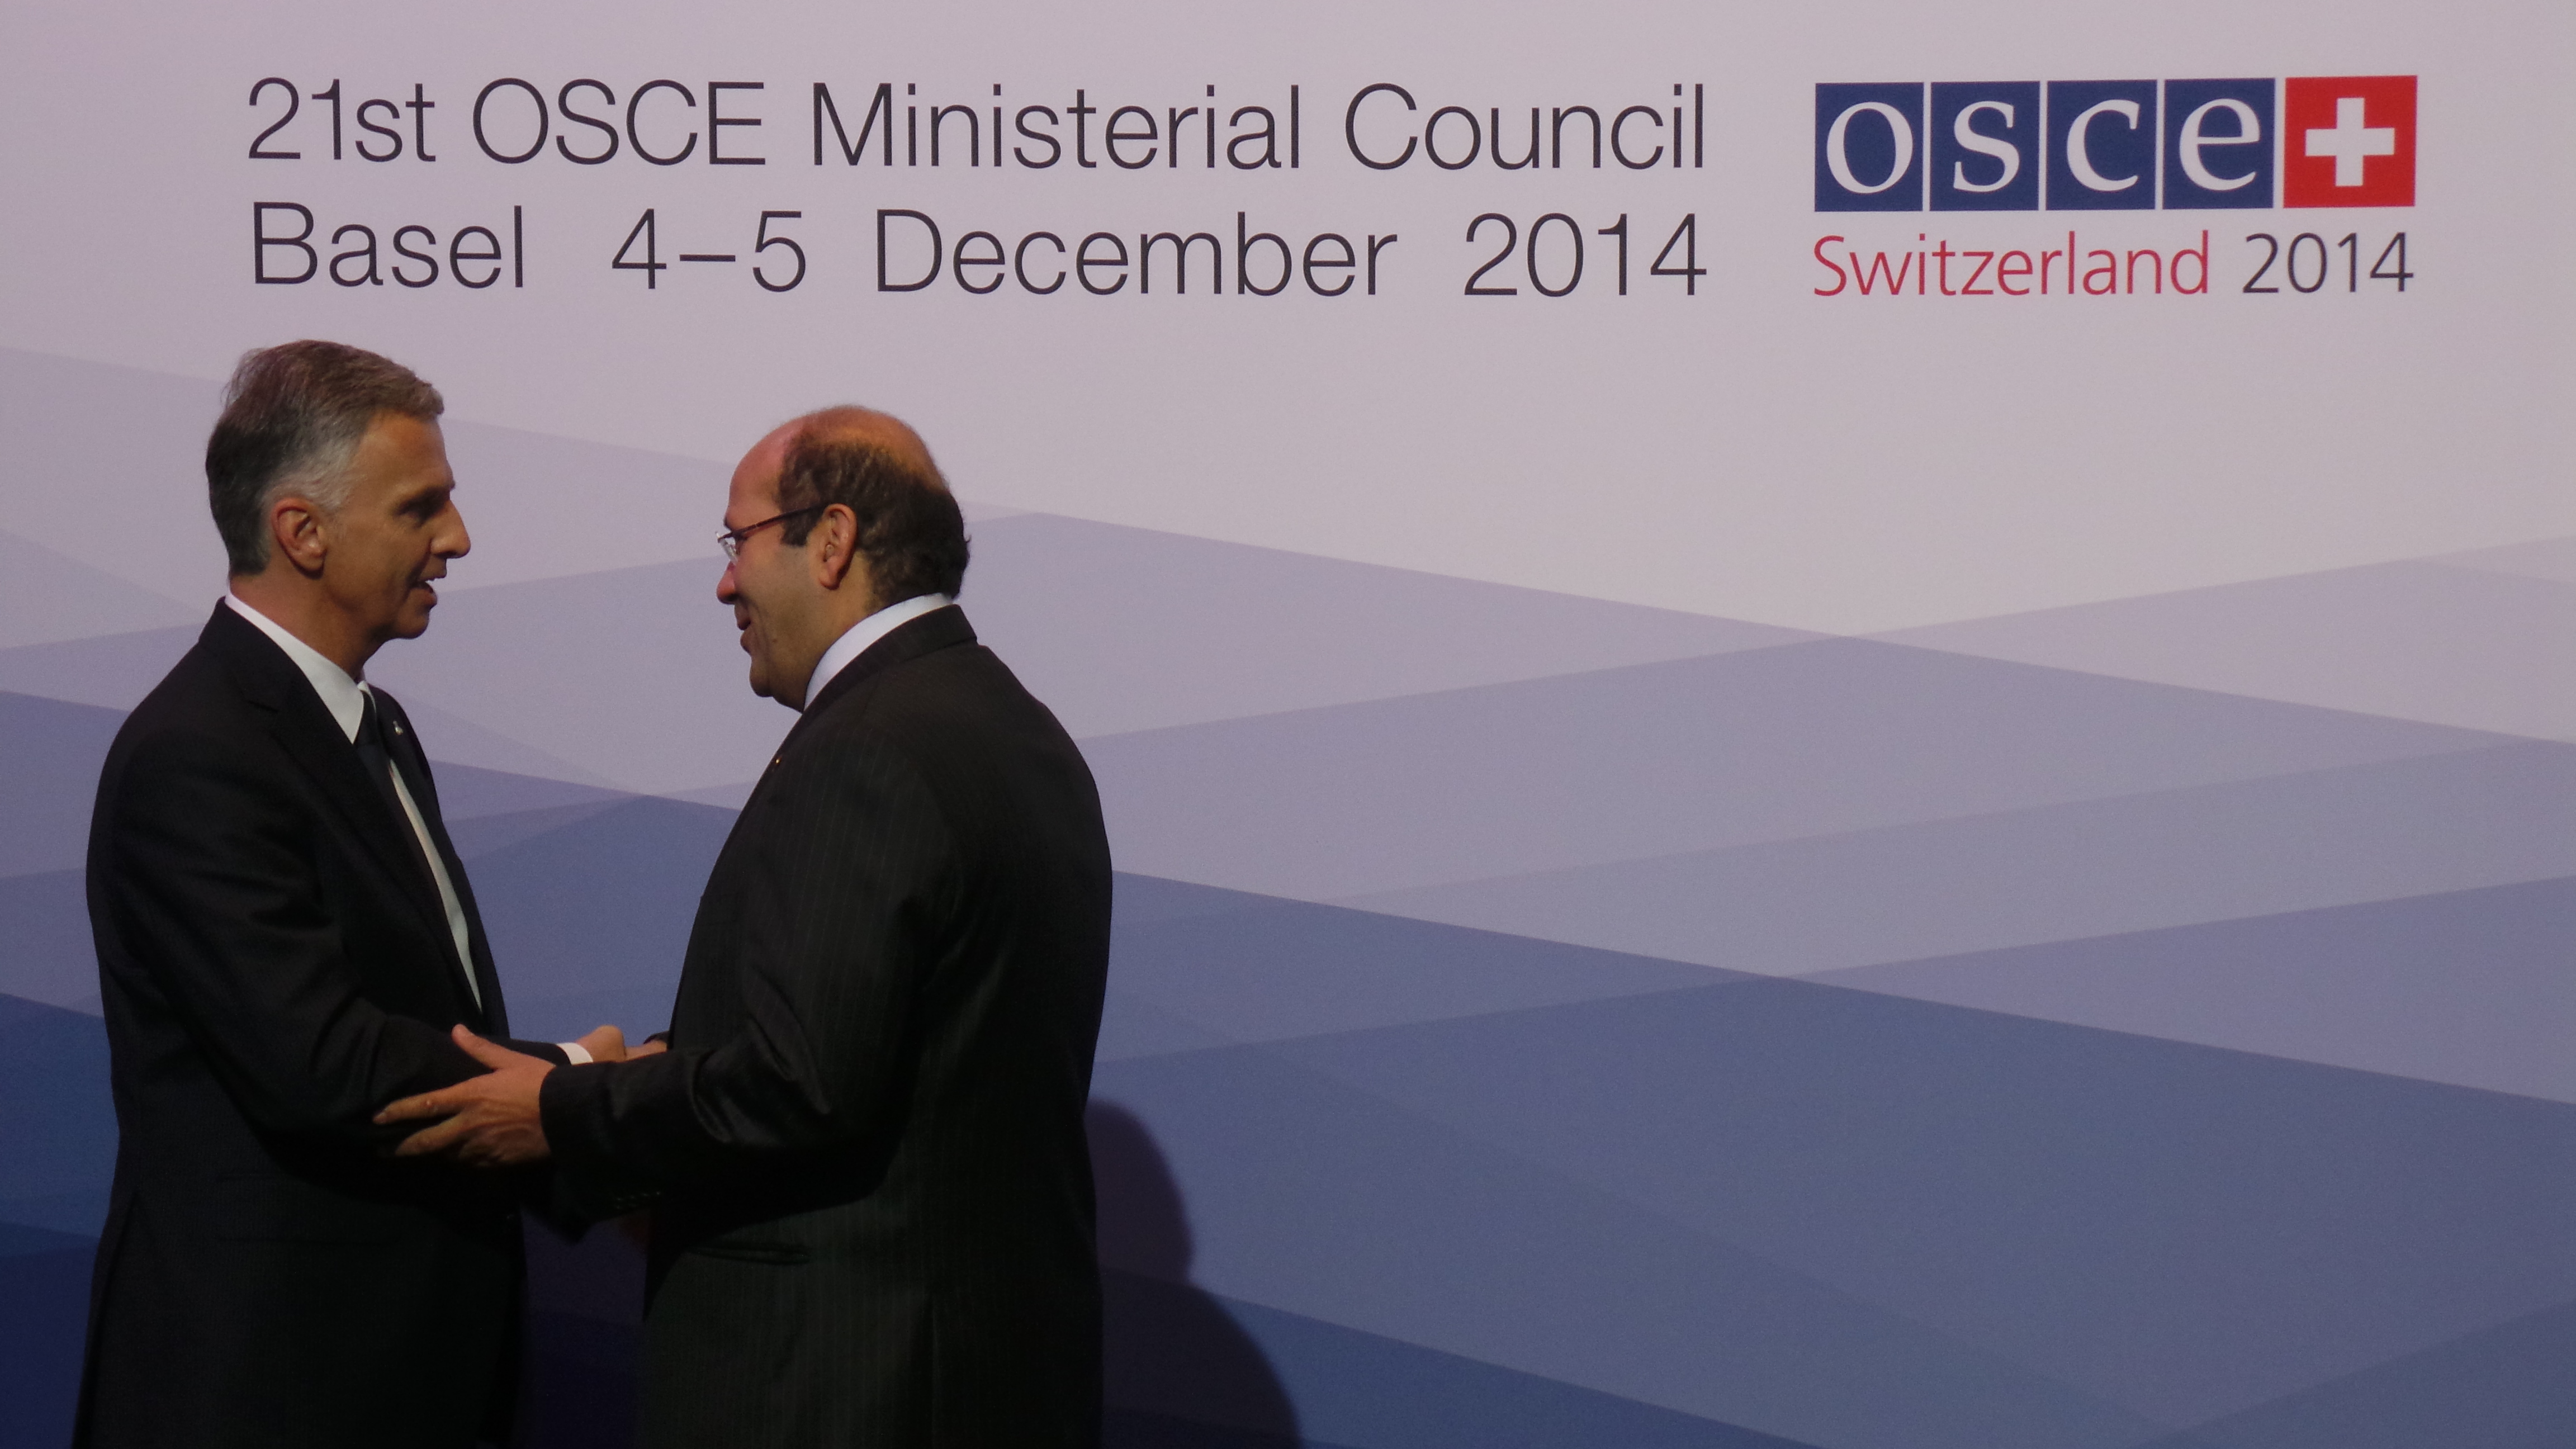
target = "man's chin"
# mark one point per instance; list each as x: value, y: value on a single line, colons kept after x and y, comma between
x: 412, y: 619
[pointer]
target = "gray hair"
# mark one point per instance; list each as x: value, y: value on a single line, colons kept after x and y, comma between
x: 293, y: 416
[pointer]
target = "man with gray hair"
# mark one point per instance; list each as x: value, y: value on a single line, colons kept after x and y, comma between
x: 285, y: 939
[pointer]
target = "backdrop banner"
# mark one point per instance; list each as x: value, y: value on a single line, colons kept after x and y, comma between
x: 1846, y: 725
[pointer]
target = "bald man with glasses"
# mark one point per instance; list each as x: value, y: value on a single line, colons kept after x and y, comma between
x: 863, y: 1148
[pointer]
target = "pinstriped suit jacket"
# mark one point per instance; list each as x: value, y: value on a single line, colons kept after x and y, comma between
x: 873, y: 1202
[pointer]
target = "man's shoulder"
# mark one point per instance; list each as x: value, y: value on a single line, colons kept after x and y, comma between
x: 930, y: 697
x: 198, y: 710
x: 220, y: 678
x: 957, y: 725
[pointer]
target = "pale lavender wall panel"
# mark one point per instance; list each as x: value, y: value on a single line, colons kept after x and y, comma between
x: 1274, y: 968
x: 52, y: 757
x: 2238, y: 848
x: 635, y: 676
x: 1771, y: 744
x: 2477, y: 648
x: 114, y: 671
x: 1122, y: 629
x: 1315, y: 1197
x: 45, y: 596
x: 2468, y: 987
x: 2184, y: 1231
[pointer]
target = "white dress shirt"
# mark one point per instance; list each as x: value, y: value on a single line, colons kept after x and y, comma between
x: 346, y: 699
x: 854, y: 641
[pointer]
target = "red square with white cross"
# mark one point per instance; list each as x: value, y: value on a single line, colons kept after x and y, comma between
x: 2348, y: 140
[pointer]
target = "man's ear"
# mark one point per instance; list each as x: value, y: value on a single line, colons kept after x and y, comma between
x: 834, y: 547
x: 296, y: 530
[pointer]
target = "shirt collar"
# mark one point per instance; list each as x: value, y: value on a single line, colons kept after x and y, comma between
x: 346, y: 698
x: 855, y: 640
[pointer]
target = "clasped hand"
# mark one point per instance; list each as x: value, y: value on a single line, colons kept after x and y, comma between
x: 493, y: 1120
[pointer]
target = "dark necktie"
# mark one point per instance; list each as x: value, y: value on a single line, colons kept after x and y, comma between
x: 385, y: 771
x: 380, y: 768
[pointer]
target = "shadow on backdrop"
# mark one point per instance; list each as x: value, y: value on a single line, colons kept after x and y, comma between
x: 1181, y: 1373
x: 585, y: 1327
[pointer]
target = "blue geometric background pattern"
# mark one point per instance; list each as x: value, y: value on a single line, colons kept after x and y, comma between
x: 1543, y: 1022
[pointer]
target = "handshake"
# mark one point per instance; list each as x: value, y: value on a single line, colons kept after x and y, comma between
x: 868, y: 1156
x: 495, y: 1120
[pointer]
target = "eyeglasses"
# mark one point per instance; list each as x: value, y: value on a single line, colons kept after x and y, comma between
x: 731, y: 539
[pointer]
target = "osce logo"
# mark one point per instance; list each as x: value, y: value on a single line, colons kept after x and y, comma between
x: 2116, y: 145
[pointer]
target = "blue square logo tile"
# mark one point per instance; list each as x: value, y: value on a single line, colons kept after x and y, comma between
x: 1985, y: 146
x: 1869, y: 147
x: 2219, y: 140
x: 2101, y: 145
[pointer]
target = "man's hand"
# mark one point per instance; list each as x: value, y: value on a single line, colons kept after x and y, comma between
x: 490, y: 1121
x: 604, y: 1043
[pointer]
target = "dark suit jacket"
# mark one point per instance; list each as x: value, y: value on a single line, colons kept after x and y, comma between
x: 275, y: 966
x: 874, y: 1220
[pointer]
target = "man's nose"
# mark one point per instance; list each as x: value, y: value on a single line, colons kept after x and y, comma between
x: 726, y: 589
x: 455, y: 542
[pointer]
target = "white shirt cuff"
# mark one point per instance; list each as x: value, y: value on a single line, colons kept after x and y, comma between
x: 575, y: 1052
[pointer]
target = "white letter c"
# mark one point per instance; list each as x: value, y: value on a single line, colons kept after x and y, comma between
x: 2079, y: 161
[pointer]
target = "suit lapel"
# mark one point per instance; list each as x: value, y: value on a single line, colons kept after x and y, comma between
x: 404, y: 746
x: 312, y: 739
x: 706, y: 976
